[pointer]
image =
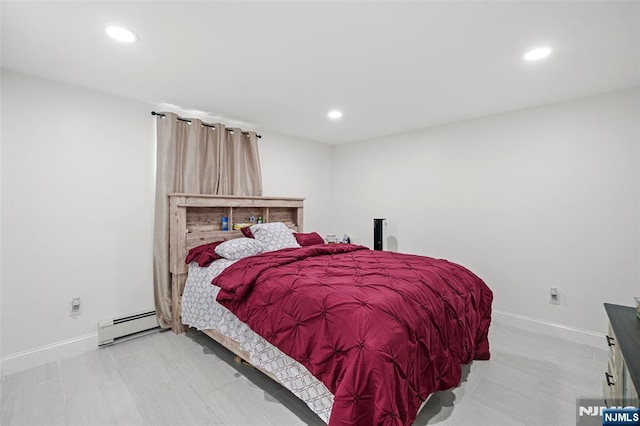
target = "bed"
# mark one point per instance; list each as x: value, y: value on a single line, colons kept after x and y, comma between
x: 361, y: 336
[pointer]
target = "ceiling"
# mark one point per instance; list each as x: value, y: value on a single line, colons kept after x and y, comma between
x: 391, y: 66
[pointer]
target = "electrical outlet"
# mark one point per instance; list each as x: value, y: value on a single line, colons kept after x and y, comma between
x: 554, y: 296
x: 75, y: 307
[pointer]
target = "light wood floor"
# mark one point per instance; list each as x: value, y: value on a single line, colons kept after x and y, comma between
x: 164, y: 379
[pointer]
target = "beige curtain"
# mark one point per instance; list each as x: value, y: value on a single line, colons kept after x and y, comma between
x: 239, y: 164
x: 198, y: 159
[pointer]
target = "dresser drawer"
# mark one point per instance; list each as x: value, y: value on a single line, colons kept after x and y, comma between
x: 615, y: 355
x: 615, y: 380
x: 607, y: 393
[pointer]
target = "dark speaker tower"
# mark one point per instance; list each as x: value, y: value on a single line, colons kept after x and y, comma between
x: 378, y: 236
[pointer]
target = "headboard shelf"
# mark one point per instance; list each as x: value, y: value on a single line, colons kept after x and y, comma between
x: 196, y: 219
x: 206, y: 200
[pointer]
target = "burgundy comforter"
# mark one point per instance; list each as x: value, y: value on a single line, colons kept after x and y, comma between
x: 381, y: 330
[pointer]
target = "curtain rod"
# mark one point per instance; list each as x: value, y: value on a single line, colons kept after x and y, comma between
x: 204, y: 124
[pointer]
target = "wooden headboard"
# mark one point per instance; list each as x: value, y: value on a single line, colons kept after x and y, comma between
x: 196, y: 219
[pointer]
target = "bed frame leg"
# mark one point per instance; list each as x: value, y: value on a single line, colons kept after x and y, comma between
x: 242, y: 361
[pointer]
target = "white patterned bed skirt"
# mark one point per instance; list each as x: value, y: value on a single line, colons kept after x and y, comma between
x: 200, y: 310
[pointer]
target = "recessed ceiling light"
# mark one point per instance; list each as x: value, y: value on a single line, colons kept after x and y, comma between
x: 538, y: 53
x: 335, y: 114
x: 121, y: 34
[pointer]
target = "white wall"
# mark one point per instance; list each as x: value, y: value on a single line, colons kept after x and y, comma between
x: 77, y: 176
x: 293, y: 167
x: 77, y: 210
x: 532, y: 199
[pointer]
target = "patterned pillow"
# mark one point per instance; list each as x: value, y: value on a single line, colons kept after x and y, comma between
x: 239, y: 248
x: 274, y: 235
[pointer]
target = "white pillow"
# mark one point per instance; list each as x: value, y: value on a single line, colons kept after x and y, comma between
x: 274, y: 236
x: 239, y: 248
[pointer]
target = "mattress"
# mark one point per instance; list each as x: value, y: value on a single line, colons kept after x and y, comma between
x: 201, y: 311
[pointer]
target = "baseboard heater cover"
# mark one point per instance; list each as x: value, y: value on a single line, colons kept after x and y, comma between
x: 124, y: 328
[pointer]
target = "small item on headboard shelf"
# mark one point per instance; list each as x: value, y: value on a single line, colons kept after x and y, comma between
x: 225, y: 223
x: 259, y: 219
x: 331, y: 239
x: 237, y: 226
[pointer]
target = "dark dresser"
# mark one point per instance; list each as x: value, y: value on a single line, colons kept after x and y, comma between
x: 622, y: 378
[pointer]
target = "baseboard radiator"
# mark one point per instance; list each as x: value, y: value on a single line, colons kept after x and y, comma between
x: 124, y: 328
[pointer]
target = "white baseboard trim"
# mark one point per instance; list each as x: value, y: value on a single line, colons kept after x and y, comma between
x: 25, y: 360
x: 21, y: 361
x: 572, y: 334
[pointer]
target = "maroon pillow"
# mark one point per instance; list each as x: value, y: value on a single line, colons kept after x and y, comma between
x: 246, y: 231
x: 308, y: 239
x: 204, y: 254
